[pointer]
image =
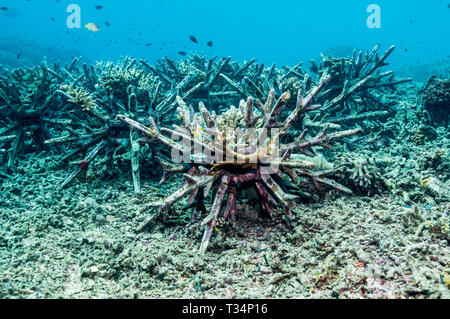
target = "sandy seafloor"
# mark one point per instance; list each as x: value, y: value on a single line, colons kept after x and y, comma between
x: 81, y: 242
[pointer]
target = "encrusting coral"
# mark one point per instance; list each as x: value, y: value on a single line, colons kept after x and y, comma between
x: 242, y: 152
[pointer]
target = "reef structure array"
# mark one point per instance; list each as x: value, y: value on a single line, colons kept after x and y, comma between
x: 73, y: 108
x: 110, y: 113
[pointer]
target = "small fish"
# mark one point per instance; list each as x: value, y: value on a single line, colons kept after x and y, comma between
x: 19, y: 55
x: 182, y: 53
x: 107, y: 24
x: 193, y: 39
x: 405, y: 48
x: 210, y: 43
x: 98, y: 7
x: 148, y: 44
x: 92, y: 27
x: 8, y: 13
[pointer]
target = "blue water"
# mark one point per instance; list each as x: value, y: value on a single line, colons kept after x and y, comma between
x: 281, y: 32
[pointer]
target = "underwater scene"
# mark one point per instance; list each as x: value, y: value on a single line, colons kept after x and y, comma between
x: 289, y: 149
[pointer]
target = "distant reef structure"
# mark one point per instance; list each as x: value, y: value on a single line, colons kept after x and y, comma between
x: 339, y: 50
x: 421, y: 72
x: 18, y: 53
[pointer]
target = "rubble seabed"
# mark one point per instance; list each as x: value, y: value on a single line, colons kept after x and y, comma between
x: 388, y: 241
